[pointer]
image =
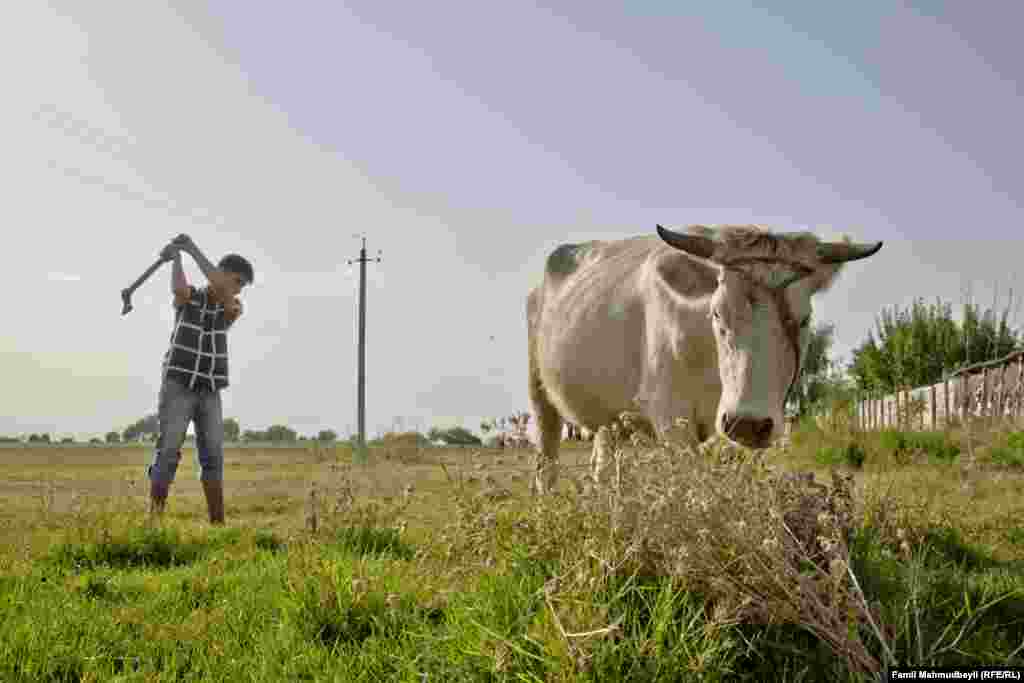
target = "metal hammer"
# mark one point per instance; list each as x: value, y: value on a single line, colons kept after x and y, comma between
x: 126, y: 293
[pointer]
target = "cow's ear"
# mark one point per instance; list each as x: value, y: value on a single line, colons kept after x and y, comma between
x: 685, y: 276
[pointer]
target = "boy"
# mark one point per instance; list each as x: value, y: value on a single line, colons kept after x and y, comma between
x: 195, y: 369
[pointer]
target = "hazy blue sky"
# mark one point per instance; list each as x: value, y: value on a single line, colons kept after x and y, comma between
x: 466, y: 140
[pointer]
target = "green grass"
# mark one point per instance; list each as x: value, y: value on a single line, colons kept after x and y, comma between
x: 934, y: 445
x: 850, y: 455
x: 454, y: 587
x: 1010, y: 452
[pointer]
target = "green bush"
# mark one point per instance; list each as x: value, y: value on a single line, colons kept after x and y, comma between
x: 851, y: 455
x: 903, y: 445
x: 1012, y: 453
x: 1009, y: 457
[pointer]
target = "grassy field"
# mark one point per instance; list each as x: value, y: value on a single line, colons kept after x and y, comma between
x: 429, y: 564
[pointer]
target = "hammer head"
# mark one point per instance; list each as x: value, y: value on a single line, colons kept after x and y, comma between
x: 126, y: 298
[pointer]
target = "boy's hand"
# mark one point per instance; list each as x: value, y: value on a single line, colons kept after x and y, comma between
x: 185, y: 243
x: 170, y: 252
x: 233, y: 308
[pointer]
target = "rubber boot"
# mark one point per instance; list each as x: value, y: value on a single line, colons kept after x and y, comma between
x: 157, y: 499
x: 214, y: 491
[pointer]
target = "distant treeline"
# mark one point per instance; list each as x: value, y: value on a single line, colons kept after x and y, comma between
x: 146, y: 430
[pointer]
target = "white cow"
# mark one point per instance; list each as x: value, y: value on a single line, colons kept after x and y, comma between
x: 709, y: 325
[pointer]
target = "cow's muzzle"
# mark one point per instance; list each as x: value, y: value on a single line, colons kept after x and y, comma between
x: 752, y: 432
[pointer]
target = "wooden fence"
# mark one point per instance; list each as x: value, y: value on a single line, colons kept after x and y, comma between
x: 987, y: 390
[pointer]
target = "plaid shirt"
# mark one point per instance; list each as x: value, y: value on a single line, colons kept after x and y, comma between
x: 198, y: 354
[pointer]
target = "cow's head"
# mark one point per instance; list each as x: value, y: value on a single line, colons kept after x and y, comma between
x: 760, y: 313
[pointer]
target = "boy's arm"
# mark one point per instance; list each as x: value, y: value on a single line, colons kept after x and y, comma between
x: 179, y: 285
x: 218, y: 279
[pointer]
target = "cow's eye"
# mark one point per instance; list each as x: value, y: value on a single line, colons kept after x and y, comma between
x: 806, y: 321
x: 716, y: 315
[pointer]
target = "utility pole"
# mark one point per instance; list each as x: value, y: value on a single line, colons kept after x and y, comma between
x: 361, y: 452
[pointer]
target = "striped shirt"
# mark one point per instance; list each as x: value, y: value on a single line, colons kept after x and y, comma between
x: 198, y: 353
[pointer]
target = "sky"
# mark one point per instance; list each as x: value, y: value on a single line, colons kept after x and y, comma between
x: 465, y: 141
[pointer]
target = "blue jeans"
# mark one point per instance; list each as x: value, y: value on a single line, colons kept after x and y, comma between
x: 180, y: 405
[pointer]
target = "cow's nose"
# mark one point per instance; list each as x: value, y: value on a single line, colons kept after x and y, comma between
x: 753, y: 432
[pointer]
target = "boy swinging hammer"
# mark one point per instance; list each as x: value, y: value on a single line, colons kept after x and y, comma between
x: 194, y: 370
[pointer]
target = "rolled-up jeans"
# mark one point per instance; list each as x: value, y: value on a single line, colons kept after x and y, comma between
x: 178, y: 406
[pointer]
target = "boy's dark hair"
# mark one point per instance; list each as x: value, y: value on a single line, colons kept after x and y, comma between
x: 237, y: 264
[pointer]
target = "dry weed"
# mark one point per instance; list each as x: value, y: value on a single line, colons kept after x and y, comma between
x: 335, y: 503
x: 761, y: 545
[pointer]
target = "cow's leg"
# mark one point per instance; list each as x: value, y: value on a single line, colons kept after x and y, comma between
x: 601, y: 457
x: 549, y: 428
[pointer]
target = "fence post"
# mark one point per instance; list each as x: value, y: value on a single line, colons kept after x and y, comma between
x: 965, y: 398
x: 945, y: 386
x: 907, y: 421
x: 905, y: 415
x: 934, y: 417
x: 1000, y: 409
x: 986, y: 412
x: 899, y: 412
x: 1019, y: 389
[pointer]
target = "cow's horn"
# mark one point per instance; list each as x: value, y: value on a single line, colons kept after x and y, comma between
x: 691, y: 244
x: 840, y: 252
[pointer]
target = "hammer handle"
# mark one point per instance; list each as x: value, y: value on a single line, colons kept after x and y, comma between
x: 126, y: 294
x: 145, y: 276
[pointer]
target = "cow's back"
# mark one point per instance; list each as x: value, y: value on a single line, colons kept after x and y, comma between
x: 587, y: 322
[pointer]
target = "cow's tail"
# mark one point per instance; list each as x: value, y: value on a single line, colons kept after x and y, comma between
x: 549, y: 421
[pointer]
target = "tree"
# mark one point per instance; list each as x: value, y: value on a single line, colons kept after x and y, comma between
x: 281, y: 433
x: 809, y: 387
x: 113, y: 437
x: 454, y: 436
x: 328, y: 435
x: 39, y: 438
x: 922, y: 344
x: 252, y: 435
x: 148, y: 425
x: 231, y: 429
x: 409, y: 439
